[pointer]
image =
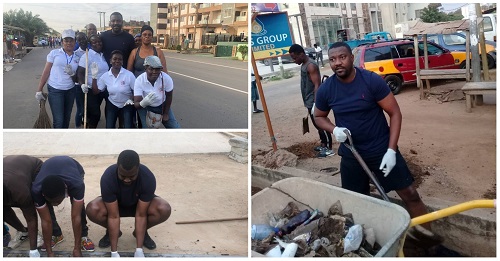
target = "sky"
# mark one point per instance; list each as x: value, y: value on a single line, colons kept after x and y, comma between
x: 60, y: 16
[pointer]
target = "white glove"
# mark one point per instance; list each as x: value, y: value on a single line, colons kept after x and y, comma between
x: 148, y: 100
x: 69, y: 70
x: 85, y: 88
x: 312, y: 110
x: 39, y: 96
x: 388, y: 161
x: 139, y: 252
x: 115, y: 254
x: 128, y: 102
x: 339, y: 134
x: 34, y: 253
x: 94, y: 69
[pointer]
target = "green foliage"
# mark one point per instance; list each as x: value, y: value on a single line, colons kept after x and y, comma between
x: 179, y: 47
x: 431, y: 14
x: 243, y: 49
x: 32, y: 24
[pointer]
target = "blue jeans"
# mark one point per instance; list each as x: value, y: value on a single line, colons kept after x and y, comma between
x: 112, y: 113
x: 170, y: 124
x: 61, y: 105
x: 79, y: 99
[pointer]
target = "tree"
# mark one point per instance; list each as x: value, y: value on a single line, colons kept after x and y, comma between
x: 431, y: 14
x: 32, y: 24
x: 243, y: 49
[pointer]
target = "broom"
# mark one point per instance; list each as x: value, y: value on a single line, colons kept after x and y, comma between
x: 86, y: 82
x: 43, y: 121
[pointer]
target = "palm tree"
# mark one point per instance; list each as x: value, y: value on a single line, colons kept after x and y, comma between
x: 33, y: 25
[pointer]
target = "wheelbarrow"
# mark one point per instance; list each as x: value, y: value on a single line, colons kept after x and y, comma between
x: 389, y: 221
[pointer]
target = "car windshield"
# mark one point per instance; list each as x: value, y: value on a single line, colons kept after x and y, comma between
x: 453, y: 39
x: 431, y: 49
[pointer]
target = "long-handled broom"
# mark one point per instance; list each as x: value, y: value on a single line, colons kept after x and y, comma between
x: 86, y: 82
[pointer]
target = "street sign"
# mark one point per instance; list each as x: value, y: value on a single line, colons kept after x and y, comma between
x: 271, y: 36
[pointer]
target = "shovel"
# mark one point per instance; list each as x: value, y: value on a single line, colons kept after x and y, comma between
x: 305, y: 124
x: 365, y: 167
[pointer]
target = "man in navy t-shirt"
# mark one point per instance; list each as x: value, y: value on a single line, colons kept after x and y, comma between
x: 116, y: 39
x: 128, y: 190
x: 358, y: 99
x: 60, y: 177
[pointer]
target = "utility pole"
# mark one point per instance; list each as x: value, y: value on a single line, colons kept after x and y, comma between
x: 100, y: 20
x: 474, y: 41
x: 104, y: 17
x: 482, y: 45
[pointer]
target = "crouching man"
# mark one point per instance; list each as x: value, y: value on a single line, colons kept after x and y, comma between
x: 128, y: 190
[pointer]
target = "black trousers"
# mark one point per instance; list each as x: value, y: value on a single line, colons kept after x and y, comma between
x: 324, y: 136
x: 56, y: 229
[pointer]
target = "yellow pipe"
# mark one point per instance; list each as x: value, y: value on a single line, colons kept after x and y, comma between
x: 482, y: 203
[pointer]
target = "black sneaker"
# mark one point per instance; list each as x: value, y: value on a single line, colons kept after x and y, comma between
x: 105, y: 242
x: 148, y: 242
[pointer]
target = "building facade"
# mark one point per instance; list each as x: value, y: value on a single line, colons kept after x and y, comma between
x: 318, y: 22
x: 199, y: 25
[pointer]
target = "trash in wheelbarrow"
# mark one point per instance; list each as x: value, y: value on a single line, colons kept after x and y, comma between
x: 387, y: 221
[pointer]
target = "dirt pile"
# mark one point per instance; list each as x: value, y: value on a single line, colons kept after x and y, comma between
x: 276, y: 159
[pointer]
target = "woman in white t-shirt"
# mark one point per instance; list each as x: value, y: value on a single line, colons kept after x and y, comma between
x: 96, y: 59
x: 119, y: 82
x: 59, y: 75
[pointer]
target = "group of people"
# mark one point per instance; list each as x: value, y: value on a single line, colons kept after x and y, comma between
x: 51, y: 42
x: 132, y: 79
x: 358, y: 99
x: 127, y: 190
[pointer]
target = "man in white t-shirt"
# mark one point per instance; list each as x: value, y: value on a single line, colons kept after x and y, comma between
x: 153, y: 91
x: 319, y: 55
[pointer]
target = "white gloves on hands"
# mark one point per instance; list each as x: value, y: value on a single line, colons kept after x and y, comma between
x: 388, y: 162
x: 139, y: 252
x: 34, y: 253
x: 94, y: 69
x: 85, y: 88
x: 128, y: 102
x: 148, y: 100
x: 39, y: 96
x: 312, y: 110
x: 115, y: 254
x: 339, y: 134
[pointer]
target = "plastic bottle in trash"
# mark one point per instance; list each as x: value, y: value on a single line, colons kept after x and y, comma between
x: 262, y: 231
x: 295, y: 222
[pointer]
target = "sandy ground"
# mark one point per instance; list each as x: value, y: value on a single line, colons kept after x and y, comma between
x: 198, y: 187
x: 452, y: 152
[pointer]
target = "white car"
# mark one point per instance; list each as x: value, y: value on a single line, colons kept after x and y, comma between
x: 42, y: 42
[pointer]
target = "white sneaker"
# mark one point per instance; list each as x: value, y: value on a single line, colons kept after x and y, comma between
x: 18, y: 239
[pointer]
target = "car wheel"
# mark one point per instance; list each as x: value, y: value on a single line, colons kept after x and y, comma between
x: 462, y: 65
x: 267, y: 62
x: 394, y: 83
x: 491, y: 61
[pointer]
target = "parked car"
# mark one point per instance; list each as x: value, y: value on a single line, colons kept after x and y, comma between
x: 288, y: 59
x: 456, y: 42
x: 395, y: 60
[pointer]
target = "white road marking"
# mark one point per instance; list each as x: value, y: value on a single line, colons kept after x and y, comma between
x: 243, y: 69
x: 220, y: 85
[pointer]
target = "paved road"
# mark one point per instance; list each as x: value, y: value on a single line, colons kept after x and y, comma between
x: 210, y: 92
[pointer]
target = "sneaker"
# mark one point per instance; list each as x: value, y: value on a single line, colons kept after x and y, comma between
x: 257, y: 111
x: 87, y: 244
x: 18, y: 239
x: 318, y: 148
x: 54, y: 242
x: 148, y: 242
x: 105, y: 242
x: 325, y: 152
x: 6, y: 239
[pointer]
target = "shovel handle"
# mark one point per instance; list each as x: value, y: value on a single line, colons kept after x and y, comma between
x: 364, y: 166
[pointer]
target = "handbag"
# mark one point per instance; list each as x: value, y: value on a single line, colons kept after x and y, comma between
x: 154, y: 120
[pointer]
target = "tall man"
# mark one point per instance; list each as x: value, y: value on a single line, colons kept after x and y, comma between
x: 128, y: 190
x: 117, y: 39
x: 59, y: 177
x: 91, y: 29
x: 310, y: 79
x: 358, y: 99
x: 18, y: 173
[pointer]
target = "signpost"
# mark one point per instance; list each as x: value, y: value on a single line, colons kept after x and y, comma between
x: 271, y: 37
